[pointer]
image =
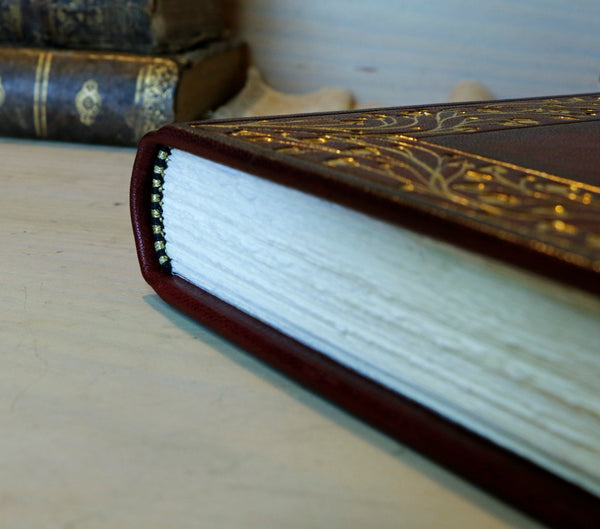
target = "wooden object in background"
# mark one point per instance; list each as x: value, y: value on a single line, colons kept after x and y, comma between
x: 469, y: 91
x: 410, y: 53
x: 257, y: 98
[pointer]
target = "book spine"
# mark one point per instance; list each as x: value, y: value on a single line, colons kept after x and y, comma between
x: 124, y: 25
x: 84, y: 96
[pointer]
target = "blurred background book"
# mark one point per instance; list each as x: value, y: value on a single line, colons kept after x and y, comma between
x: 305, y: 56
x: 110, y: 71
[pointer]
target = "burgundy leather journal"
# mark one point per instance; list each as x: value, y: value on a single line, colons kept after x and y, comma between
x: 516, y: 181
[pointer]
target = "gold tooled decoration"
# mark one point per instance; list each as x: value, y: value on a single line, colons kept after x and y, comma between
x: 154, y: 95
x: 40, y: 94
x: 88, y: 102
x: 390, y: 149
x: 74, y: 17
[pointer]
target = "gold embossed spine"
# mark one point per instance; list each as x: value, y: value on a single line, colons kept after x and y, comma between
x: 40, y: 94
x: 154, y: 96
x: 84, y: 96
x: 109, y: 97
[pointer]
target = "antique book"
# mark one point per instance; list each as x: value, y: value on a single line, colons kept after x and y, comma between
x: 434, y: 270
x: 106, y: 97
x: 145, y: 26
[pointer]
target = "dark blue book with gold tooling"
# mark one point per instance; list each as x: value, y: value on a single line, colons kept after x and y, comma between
x: 112, y: 97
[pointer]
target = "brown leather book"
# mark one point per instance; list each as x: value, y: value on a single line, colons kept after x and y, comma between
x: 145, y: 26
x: 112, y: 98
x: 435, y: 270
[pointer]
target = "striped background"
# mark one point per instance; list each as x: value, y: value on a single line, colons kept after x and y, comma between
x: 410, y: 52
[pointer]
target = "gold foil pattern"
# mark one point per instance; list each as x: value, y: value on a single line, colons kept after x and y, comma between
x: 154, y: 95
x: 40, y: 94
x: 68, y: 17
x: 88, y: 102
x: 389, y: 150
x: 419, y: 123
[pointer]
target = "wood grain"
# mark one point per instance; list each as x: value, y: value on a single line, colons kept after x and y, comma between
x: 116, y: 411
x: 403, y: 53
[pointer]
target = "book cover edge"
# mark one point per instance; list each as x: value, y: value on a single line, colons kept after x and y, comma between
x: 537, y: 492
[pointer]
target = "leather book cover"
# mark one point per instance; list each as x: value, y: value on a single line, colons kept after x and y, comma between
x: 112, y: 98
x: 513, y: 180
x: 144, y: 26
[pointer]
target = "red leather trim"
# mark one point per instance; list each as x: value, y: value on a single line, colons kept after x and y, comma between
x: 512, y: 478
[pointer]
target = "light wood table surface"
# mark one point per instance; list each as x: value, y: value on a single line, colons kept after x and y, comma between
x: 118, y: 412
